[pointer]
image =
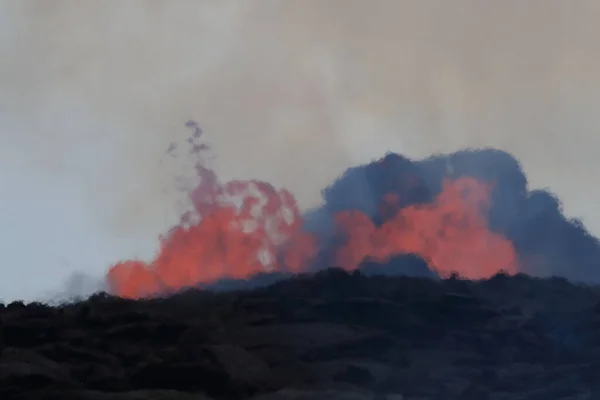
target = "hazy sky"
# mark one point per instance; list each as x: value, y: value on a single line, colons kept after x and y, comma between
x: 92, y: 93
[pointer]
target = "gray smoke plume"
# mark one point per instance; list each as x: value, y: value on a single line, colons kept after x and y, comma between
x: 92, y: 93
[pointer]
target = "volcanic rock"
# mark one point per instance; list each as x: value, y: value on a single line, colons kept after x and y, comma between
x: 330, y: 335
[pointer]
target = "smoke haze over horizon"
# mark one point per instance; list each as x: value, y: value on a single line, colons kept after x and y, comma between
x: 92, y: 94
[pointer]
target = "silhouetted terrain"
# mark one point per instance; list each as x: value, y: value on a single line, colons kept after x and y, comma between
x: 333, y: 335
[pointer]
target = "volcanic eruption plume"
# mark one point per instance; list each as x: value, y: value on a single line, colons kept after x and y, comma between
x: 469, y: 212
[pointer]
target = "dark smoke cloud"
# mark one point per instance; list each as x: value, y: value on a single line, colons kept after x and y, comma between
x: 548, y: 242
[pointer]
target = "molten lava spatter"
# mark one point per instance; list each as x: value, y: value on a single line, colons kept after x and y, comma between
x: 241, y: 228
x: 451, y: 234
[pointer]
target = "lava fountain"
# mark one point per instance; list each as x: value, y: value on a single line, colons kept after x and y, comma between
x: 240, y: 228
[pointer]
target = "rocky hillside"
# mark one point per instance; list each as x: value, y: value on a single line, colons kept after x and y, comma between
x: 332, y: 335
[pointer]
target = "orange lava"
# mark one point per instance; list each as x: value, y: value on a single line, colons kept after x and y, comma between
x: 451, y: 234
x: 240, y: 228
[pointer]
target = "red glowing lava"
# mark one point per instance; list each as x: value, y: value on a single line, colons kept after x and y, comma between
x: 240, y: 228
x: 451, y: 234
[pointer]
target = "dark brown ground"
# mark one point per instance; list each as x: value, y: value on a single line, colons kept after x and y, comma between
x: 330, y: 336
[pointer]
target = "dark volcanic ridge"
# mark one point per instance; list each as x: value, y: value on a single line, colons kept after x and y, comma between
x: 329, y: 335
x: 409, y: 265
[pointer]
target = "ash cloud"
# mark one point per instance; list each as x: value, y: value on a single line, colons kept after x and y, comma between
x: 548, y: 243
x: 91, y: 93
